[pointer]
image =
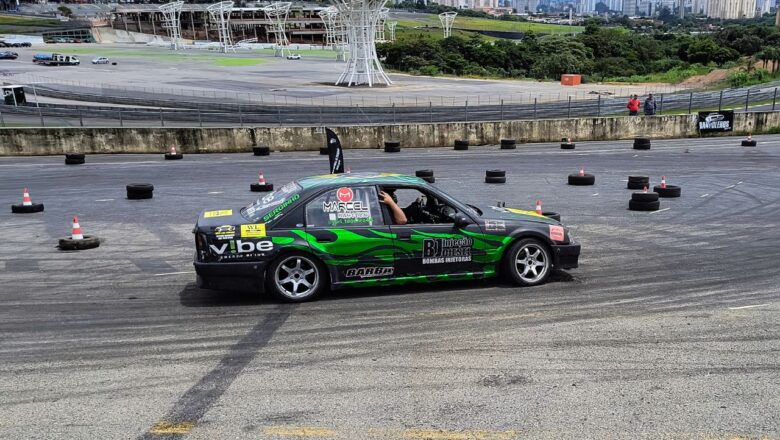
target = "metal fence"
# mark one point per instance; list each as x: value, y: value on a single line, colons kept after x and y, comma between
x: 159, y: 112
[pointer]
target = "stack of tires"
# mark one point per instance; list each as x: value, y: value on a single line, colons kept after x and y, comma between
x: 644, y: 201
x: 461, y: 144
x: 566, y: 144
x: 638, y: 182
x: 582, y: 179
x: 392, y: 146
x: 74, y: 159
x: 508, y: 144
x: 426, y: 175
x: 140, y: 191
x: 495, y: 176
x: 261, y: 150
x: 641, y: 143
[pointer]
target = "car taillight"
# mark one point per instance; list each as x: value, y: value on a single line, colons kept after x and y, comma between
x: 200, y: 243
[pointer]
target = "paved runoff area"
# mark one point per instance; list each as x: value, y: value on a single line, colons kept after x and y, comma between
x: 669, y: 329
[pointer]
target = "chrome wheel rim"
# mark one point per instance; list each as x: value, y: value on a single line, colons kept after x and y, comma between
x: 296, y: 277
x: 532, y: 263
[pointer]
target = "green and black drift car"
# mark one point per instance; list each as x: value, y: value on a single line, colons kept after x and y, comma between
x: 340, y: 230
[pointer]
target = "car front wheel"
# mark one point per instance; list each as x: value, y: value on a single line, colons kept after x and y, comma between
x: 296, y: 277
x: 528, y: 262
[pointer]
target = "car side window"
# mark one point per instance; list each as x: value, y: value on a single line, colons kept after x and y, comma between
x: 345, y: 206
x: 423, y: 208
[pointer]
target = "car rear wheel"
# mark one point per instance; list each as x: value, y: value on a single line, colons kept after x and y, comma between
x: 528, y: 262
x: 296, y: 278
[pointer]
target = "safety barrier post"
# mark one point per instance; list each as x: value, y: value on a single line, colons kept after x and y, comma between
x: 568, y: 111
x: 430, y: 111
x: 120, y: 118
x: 200, y: 119
x: 774, y: 99
x: 661, y: 104
x: 747, y: 100
x: 2, y: 121
x: 40, y: 113
x: 81, y: 119
x: 240, y: 117
x: 720, y: 101
x: 502, y: 110
x: 534, y: 107
x: 690, y: 103
x: 393, y: 112
x: 598, y: 107
x: 162, y: 122
x: 466, y: 112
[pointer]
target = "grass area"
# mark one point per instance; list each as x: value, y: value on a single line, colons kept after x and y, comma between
x: 160, y: 54
x: 486, y: 24
x: 405, y: 34
x: 13, y: 20
x: 238, y: 62
x: 673, y: 76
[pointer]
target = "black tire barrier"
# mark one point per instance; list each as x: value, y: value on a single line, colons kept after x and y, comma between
x: 495, y: 179
x: 644, y: 197
x: 461, y: 144
x: 392, y: 146
x: 638, y: 182
x: 752, y: 143
x: 140, y: 191
x: 261, y: 187
x: 552, y: 215
x: 567, y: 146
x: 495, y: 173
x: 633, y: 205
x: 324, y: 150
x: 583, y: 180
x: 261, y: 150
x: 74, y: 159
x: 88, y: 242
x: 669, y: 191
x: 177, y: 156
x: 426, y: 175
x: 508, y: 144
x: 28, y: 209
x: 641, y: 143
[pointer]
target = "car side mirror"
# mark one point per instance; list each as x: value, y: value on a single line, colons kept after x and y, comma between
x: 461, y: 220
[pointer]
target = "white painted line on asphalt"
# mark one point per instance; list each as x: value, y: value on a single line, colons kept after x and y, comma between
x: 216, y: 192
x: 730, y: 186
x: 173, y: 273
x: 703, y: 196
x: 661, y: 210
x: 748, y: 307
x: 595, y: 194
x: 104, y: 200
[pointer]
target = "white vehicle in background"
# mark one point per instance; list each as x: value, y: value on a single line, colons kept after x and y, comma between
x: 100, y: 60
x: 296, y: 56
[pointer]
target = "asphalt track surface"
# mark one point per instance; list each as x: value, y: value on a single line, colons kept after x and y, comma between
x: 669, y: 328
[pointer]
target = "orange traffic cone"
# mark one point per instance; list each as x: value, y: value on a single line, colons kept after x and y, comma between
x: 173, y: 150
x: 261, y: 178
x: 750, y: 137
x: 26, y: 200
x: 569, y: 139
x: 349, y: 170
x: 76, y: 233
x: 539, y: 207
x: 663, y: 181
x: 645, y: 190
x: 582, y: 171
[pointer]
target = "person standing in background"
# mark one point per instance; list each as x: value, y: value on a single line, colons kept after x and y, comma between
x: 650, y: 105
x: 633, y: 106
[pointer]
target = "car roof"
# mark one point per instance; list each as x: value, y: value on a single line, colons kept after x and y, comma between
x: 346, y: 179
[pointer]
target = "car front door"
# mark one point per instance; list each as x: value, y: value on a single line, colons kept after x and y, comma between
x: 430, y: 249
x: 346, y: 230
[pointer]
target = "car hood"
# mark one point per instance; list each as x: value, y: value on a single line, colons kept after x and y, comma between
x: 509, y: 213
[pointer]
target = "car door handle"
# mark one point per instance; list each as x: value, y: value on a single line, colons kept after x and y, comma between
x: 325, y: 239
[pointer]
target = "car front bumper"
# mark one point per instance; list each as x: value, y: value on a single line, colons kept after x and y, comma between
x: 241, y: 276
x: 566, y: 256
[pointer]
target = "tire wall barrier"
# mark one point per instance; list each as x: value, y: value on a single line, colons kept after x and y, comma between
x: 62, y: 140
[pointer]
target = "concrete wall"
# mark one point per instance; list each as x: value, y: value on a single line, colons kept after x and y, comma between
x: 50, y: 141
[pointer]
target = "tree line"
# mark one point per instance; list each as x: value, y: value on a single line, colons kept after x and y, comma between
x: 599, y: 52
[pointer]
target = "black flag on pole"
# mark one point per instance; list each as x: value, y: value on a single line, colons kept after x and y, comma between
x: 335, y: 154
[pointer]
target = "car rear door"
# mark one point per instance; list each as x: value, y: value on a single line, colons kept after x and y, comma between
x: 346, y: 230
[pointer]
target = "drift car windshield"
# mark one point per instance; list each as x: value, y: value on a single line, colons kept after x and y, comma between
x: 271, y: 205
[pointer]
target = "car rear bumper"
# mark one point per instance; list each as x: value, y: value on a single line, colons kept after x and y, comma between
x: 241, y: 276
x: 566, y: 256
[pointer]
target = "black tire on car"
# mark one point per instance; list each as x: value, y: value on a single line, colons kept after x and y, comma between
x: 140, y: 191
x: 88, y: 242
x: 74, y: 159
x: 552, y: 215
x: 583, y: 180
x: 261, y: 187
x: 508, y: 144
x: 28, y: 209
x: 296, y: 277
x: 461, y: 144
x: 644, y: 196
x: 634, y: 205
x: 752, y: 143
x: 669, y: 191
x: 527, y: 262
x: 392, y: 146
x: 261, y: 150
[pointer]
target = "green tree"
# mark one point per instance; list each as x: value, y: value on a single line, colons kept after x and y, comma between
x: 65, y: 11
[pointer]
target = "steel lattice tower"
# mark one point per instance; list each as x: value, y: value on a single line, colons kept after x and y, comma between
x: 380, y: 25
x: 447, y: 18
x: 277, y: 14
x: 220, y: 14
x: 363, y: 66
x: 391, y: 27
x: 172, y: 22
x: 334, y: 30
